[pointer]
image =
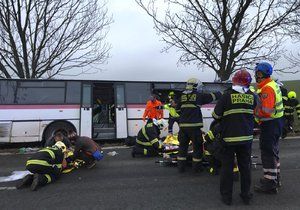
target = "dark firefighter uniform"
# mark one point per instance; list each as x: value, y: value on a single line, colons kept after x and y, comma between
x: 213, y: 148
x: 284, y: 94
x: 290, y: 106
x: 147, y: 141
x: 235, y: 111
x: 190, y: 124
x: 47, y: 164
x: 269, y: 113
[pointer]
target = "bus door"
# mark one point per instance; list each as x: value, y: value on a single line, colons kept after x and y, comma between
x: 121, y: 112
x: 104, y: 111
x: 86, y: 111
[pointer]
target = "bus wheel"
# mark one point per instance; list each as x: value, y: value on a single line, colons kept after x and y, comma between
x: 55, y: 127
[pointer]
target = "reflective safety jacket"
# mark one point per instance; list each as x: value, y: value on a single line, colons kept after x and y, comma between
x: 153, y: 110
x: 48, y: 156
x: 236, y: 113
x: 148, y: 136
x: 290, y: 106
x: 270, y: 104
x: 172, y: 111
x: 190, y: 110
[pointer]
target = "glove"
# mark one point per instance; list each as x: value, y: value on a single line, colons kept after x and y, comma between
x: 98, y: 155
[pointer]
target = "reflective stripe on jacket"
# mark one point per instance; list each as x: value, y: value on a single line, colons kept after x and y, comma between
x: 148, y: 136
x: 236, y: 114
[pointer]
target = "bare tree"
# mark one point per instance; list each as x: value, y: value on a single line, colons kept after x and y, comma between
x: 43, y: 38
x: 223, y: 35
x: 291, y: 28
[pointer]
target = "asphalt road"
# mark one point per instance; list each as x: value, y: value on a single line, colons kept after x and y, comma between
x: 121, y: 182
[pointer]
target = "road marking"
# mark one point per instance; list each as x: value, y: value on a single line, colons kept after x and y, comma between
x: 7, y: 188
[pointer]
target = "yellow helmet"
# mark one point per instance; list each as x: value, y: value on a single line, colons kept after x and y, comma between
x: 171, y: 93
x: 193, y: 84
x: 61, y: 146
x: 292, y: 94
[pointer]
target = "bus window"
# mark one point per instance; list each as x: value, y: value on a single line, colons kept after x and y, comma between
x: 137, y: 93
x: 73, y: 93
x: 40, y: 95
x: 7, y: 91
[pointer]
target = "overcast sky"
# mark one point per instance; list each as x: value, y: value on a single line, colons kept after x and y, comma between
x: 136, y: 50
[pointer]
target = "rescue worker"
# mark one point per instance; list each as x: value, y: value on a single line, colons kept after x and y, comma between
x: 147, y: 141
x: 235, y: 111
x: 85, y: 149
x: 173, y: 115
x: 58, y: 137
x: 191, y: 122
x: 269, y: 114
x: 213, y: 147
x: 153, y: 109
x: 45, y: 165
x: 290, y: 106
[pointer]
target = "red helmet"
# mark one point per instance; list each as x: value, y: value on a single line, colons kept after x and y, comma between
x: 242, y: 77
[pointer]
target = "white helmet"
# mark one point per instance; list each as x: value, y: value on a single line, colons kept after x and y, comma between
x: 193, y: 84
x: 161, y: 123
x: 61, y: 146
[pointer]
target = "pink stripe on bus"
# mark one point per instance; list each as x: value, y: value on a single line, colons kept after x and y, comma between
x: 138, y: 106
x: 40, y: 106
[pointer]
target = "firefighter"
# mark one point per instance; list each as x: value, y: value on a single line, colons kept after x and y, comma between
x: 153, y: 109
x: 147, y: 141
x: 85, y: 149
x: 173, y: 115
x: 290, y: 106
x: 45, y: 165
x: 191, y: 122
x: 235, y: 111
x: 269, y: 114
x: 213, y: 147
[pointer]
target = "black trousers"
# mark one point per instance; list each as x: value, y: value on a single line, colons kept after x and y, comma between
x: 268, y: 142
x: 171, y: 122
x: 48, y: 173
x: 185, y: 136
x: 288, y: 124
x: 243, y: 154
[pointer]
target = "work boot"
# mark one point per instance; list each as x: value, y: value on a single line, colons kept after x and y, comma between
x: 226, y: 200
x: 133, y: 152
x: 246, y: 198
x: 197, y: 167
x: 25, y: 182
x: 278, y: 181
x: 181, y: 166
x: 37, y: 180
x: 266, y: 186
x: 236, y: 176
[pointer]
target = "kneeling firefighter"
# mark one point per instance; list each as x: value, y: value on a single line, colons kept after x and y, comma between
x: 213, y: 147
x: 235, y: 110
x: 147, y: 141
x: 46, y: 166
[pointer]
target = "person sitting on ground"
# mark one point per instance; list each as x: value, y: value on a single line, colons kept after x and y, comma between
x: 45, y: 165
x: 85, y: 149
x: 147, y: 141
x: 58, y: 137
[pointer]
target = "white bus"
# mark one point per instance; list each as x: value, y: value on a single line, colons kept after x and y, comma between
x: 33, y: 110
